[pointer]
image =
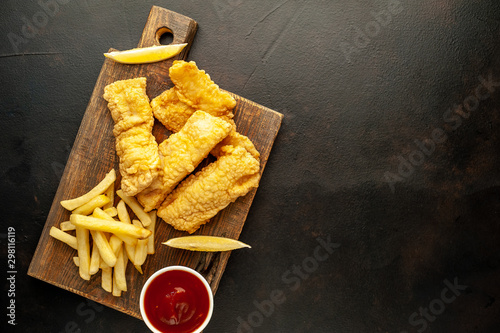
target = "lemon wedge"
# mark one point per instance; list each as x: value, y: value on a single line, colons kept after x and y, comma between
x: 205, y: 243
x: 146, y: 55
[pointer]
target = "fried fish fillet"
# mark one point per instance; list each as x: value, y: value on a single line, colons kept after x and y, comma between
x: 236, y: 139
x: 135, y: 145
x: 202, y: 195
x: 170, y: 111
x: 181, y: 153
x: 195, y: 88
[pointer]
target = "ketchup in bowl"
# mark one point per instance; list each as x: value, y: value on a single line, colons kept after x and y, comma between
x: 176, y: 299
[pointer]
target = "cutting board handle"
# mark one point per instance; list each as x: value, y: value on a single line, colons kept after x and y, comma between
x: 160, y: 21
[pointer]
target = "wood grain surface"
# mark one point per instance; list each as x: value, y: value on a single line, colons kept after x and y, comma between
x: 93, y: 155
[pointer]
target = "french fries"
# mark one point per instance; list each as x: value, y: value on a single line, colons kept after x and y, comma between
x: 63, y: 237
x: 141, y: 249
x: 67, y: 226
x: 93, y: 223
x: 107, y: 278
x: 128, y: 240
x: 114, y: 240
x: 107, y: 254
x: 111, y: 211
x: 116, y: 291
x: 110, y: 193
x: 95, y: 259
x: 100, y: 214
x: 83, y: 247
x: 122, y: 212
x: 72, y: 204
x: 116, y: 244
x: 130, y: 249
x: 89, y: 207
x: 136, y: 208
x: 121, y: 265
x: 151, y: 227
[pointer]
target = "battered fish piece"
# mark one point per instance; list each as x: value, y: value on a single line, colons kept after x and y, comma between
x: 129, y: 104
x: 170, y: 111
x: 181, y: 153
x: 236, y: 139
x: 195, y: 88
x: 202, y: 195
x: 173, y: 114
x: 136, y: 147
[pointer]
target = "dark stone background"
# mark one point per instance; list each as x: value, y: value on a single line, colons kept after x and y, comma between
x: 358, y: 96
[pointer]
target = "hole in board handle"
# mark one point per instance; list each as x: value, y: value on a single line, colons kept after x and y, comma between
x: 164, y: 36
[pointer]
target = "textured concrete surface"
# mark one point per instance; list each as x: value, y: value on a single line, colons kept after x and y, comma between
x: 379, y: 209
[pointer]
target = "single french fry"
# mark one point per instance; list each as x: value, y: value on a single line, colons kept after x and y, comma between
x: 151, y: 227
x: 95, y: 259
x: 89, y: 207
x: 116, y: 291
x: 76, y: 260
x: 100, y: 214
x: 119, y: 270
x: 105, y: 250
x: 136, y: 208
x: 130, y: 250
x: 102, y: 264
x: 64, y: 237
x: 66, y: 226
x: 93, y: 223
x: 111, y: 211
x: 125, y: 261
x: 107, y: 279
x: 110, y: 193
x: 98, y: 189
x: 122, y: 212
x: 82, y: 239
x: 115, y: 242
x: 141, y: 249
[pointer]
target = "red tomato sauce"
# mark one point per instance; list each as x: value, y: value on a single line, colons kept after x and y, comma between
x: 176, y: 301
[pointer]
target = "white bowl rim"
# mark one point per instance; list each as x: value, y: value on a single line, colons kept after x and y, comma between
x: 177, y: 268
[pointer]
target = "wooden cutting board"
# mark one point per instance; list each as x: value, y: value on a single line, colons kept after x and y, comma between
x: 93, y: 155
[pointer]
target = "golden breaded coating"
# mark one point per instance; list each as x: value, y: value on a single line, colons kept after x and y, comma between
x: 170, y: 111
x: 195, y: 88
x: 236, y: 139
x: 173, y: 114
x: 202, y: 195
x: 129, y: 104
x: 181, y: 153
x: 135, y: 145
x: 152, y: 196
x: 139, y: 159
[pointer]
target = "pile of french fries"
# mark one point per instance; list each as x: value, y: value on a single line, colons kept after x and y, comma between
x: 105, y: 236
